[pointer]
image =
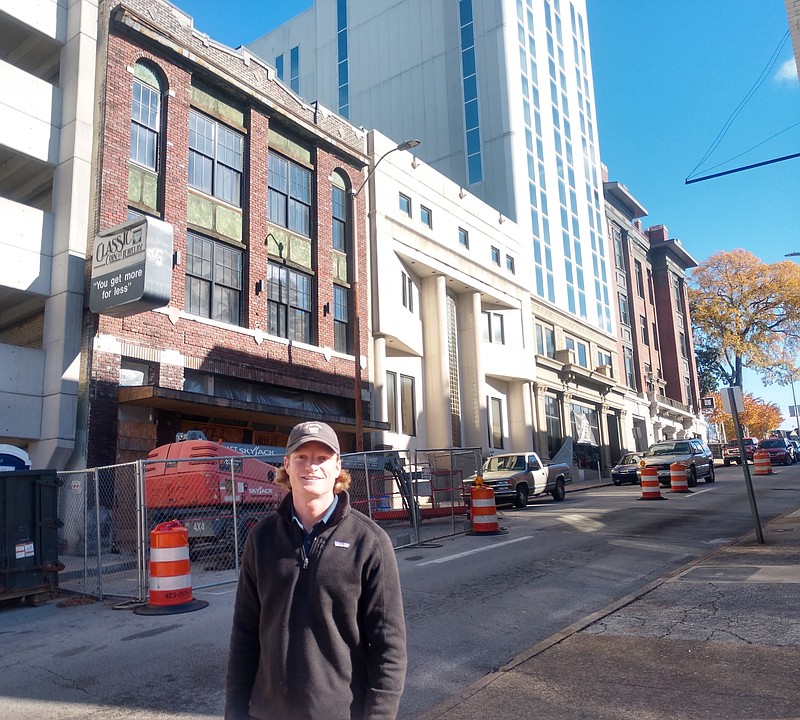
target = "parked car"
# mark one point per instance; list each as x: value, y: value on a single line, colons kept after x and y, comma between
x: 795, y: 443
x: 780, y: 450
x: 730, y: 453
x: 515, y: 477
x: 692, y: 452
x: 625, y: 471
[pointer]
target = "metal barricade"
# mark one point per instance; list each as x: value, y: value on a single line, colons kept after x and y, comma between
x: 108, y: 512
x: 415, y: 495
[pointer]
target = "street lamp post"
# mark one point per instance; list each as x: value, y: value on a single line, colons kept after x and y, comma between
x: 359, y: 404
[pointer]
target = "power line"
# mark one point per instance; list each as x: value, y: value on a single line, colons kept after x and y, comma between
x: 689, y: 181
x: 757, y: 84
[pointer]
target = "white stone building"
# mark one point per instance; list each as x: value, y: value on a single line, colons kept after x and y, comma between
x: 453, y: 347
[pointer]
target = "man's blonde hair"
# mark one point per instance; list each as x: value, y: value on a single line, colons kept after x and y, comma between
x: 342, y: 482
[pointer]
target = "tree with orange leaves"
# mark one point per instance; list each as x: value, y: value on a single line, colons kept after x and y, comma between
x: 757, y: 419
x: 748, y: 313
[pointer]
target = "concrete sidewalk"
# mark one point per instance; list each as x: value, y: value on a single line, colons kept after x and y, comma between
x: 720, y: 638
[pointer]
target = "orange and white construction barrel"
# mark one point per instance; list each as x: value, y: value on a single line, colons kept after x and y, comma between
x: 170, y: 572
x: 484, y: 508
x: 761, y: 462
x: 679, y: 482
x: 651, y: 490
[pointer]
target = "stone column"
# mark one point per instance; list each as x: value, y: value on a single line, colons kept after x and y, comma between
x: 474, y: 422
x: 520, y: 416
x: 435, y: 367
x: 378, y: 404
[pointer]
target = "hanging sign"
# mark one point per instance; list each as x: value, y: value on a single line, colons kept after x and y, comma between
x: 131, y: 268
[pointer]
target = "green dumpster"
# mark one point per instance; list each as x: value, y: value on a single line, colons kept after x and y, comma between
x: 29, y: 525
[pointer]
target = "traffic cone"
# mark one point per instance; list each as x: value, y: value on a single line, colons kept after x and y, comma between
x: 762, y: 464
x: 170, y: 572
x: 651, y: 490
x: 483, y: 509
x: 678, y: 481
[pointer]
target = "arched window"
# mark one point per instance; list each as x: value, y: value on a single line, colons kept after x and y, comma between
x: 342, y: 264
x: 146, y: 117
x: 339, y: 214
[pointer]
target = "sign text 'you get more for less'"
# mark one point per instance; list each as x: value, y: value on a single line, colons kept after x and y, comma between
x: 131, y: 268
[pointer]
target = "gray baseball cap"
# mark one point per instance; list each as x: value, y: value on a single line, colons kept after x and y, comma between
x: 312, y: 431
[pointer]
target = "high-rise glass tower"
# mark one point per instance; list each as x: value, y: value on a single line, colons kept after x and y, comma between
x: 501, y: 94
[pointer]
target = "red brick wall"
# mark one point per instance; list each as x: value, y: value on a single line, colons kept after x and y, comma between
x: 232, y: 351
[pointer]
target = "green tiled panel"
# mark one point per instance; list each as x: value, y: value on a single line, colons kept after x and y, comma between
x: 300, y: 251
x: 142, y: 187
x: 339, y: 266
x: 204, y: 100
x: 200, y: 211
x: 229, y: 223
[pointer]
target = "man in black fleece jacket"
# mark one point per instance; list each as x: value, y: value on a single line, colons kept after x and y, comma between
x: 318, y: 628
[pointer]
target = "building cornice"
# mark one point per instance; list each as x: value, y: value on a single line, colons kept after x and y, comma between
x: 188, y: 47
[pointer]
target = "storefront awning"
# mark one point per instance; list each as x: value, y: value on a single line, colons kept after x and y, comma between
x: 217, y: 408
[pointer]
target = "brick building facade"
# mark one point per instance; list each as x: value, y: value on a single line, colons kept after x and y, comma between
x: 256, y: 185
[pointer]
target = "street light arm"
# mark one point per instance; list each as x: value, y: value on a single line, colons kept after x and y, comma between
x: 405, y: 145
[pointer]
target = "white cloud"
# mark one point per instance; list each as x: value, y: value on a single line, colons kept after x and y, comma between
x: 787, y: 72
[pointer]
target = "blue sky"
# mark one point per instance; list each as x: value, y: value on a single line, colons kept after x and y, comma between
x: 670, y: 79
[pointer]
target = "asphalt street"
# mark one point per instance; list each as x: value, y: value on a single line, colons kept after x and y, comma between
x: 718, y: 637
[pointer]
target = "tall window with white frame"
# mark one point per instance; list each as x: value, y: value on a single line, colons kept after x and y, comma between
x: 493, y: 328
x: 341, y: 319
x: 545, y: 340
x: 426, y: 216
x: 407, y: 289
x: 630, y: 375
x: 677, y: 292
x: 552, y: 414
x: 216, y: 155
x: 619, y: 249
x: 289, y: 298
x: 687, y: 383
x: 289, y: 199
x: 213, y: 279
x: 341, y: 294
x: 294, y: 69
x: 639, y: 278
x: 624, y: 312
x: 404, y: 203
x: 146, y: 118
x: 604, y: 360
x: 401, y: 403
x: 408, y: 406
x: 391, y: 400
x: 495, y: 406
x: 580, y: 350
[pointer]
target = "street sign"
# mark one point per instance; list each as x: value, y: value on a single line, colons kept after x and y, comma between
x: 707, y: 404
x: 734, y: 393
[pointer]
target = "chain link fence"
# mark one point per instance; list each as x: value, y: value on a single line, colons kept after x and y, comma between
x: 101, y: 540
x: 109, y: 512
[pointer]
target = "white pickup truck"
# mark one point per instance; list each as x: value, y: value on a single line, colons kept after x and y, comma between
x: 515, y: 477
